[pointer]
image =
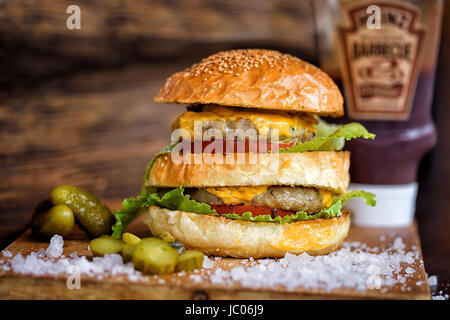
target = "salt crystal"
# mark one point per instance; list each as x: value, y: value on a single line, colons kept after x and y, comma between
x: 7, y: 254
x: 42, y: 252
x: 432, y: 281
x: 55, y: 249
x: 409, y: 270
x: 196, y: 278
x: 398, y: 244
x: 207, y: 263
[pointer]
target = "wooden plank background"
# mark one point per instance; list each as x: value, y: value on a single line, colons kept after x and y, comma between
x: 115, y: 32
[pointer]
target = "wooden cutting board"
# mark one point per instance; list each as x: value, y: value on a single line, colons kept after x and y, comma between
x: 175, y: 286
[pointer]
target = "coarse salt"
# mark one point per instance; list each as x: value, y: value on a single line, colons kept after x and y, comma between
x: 353, y: 266
x: 207, y: 263
x: 43, y: 262
x: 432, y: 281
x: 55, y: 249
x: 7, y: 254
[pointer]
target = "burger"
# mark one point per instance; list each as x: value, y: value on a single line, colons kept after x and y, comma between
x: 251, y: 170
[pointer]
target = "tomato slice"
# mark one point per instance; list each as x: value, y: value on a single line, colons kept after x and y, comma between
x: 255, y: 210
x: 234, y: 146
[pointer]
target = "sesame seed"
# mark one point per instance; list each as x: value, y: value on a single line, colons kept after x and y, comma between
x: 236, y: 62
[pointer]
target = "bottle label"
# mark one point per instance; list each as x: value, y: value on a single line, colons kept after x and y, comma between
x: 381, y: 66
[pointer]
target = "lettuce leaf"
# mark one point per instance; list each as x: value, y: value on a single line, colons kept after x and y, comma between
x: 166, y: 149
x: 174, y: 200
x: 329, y: 143
x: 131, y: 209
x: 177, y: 200
x: 324, y: 129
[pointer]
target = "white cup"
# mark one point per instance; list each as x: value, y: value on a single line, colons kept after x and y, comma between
x: 395, y: 207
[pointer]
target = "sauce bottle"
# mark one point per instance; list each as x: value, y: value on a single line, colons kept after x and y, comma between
x: 383, y: 54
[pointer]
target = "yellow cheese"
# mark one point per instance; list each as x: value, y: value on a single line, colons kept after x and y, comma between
x: 235, y: 195
x: 327, y: 198
x: 263, y: 120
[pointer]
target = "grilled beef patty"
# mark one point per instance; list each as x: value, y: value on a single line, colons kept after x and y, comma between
x: 276, y: 197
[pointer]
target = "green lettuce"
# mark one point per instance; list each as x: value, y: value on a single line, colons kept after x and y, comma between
x: 131, y: 209
x: 324, y: 129
x: 173, y: 200
x: 177, y: 200
x: 166, y: 149
x: 333, y: 141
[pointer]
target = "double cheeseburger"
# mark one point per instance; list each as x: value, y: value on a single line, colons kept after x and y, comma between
x: 290, y: 199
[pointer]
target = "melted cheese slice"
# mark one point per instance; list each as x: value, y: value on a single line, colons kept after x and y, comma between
x: 263, y: 120
x: 327, y: 198
x: 234, y: 195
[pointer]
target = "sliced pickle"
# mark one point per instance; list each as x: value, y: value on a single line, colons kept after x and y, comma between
x: 155, y: 256
x: 190, y: 260
x: 130, y: 238
x: 105, y: 245
x: 167, y: 237
x: 127, y: 252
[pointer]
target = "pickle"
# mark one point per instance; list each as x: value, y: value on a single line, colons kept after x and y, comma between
x: 130, y: 238
x: 189, y: 260
x: 127, y: 252
x: 155, y: 256
x: 90, y: 213
x: 105, y: 245
x: 49, y: 220
x: 167, y: 237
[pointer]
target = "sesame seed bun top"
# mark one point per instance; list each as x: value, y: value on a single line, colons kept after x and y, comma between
x: 255, y: 78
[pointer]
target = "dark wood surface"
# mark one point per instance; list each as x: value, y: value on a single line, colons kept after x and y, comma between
x: 93, y: 123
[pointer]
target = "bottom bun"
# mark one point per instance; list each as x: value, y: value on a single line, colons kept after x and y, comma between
x: 219, y: 236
